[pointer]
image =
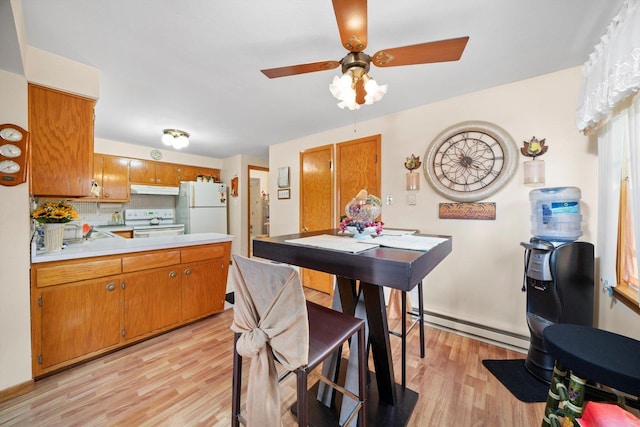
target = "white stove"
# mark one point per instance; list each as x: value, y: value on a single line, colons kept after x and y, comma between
x: 152, y: 222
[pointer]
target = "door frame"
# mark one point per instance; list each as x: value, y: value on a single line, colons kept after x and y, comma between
x: 248, y: 200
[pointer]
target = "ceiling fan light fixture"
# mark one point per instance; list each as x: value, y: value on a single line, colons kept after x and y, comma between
x: 343, y: 88
x: 175, y: 138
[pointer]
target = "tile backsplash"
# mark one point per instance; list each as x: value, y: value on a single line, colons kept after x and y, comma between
x: 100, y: 213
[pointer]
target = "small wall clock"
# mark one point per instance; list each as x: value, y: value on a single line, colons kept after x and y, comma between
x: 156, y: 154
x: 470, y: 161
x: 14, y: 146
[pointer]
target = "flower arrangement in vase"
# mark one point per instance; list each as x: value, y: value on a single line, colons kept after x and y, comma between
x: 55, y: 213
x: 361, y: 213
x: 53, y: 216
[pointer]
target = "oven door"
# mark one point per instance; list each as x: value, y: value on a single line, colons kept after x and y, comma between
x: 157, y: 232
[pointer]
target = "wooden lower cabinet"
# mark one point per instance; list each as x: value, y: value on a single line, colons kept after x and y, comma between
x: 131, y: 298
x: 151, y: 301
x: 79, y: 319
x: 200, y: 295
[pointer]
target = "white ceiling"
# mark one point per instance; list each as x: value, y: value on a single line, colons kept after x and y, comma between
x: 195, y: 64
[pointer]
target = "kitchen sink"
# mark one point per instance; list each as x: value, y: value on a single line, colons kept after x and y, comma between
x: 100, y: 235
x: 95, y: 235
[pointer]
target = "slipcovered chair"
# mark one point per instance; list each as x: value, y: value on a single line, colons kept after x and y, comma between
x: 273, y: 322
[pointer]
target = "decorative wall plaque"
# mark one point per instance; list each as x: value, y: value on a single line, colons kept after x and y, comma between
x: 476, y: 210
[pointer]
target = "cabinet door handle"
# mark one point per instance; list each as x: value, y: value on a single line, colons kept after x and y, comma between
x: 187, y: 271
x: 172, y: 274
x: 110, y: 286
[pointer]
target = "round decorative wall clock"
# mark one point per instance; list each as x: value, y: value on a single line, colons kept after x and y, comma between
x: 14, y: 144
x: 470, y: 161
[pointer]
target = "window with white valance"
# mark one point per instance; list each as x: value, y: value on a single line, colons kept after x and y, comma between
x: 610, y: 106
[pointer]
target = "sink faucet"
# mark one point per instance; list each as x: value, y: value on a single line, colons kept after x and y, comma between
x: 89, y: 233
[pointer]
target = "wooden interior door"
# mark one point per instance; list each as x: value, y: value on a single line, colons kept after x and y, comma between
x: 316, y: 205
x: 358, y: 167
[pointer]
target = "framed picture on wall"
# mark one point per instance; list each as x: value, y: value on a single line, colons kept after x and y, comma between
x: 283, y: 177
x: 234, y: 187
x: 284, y: 193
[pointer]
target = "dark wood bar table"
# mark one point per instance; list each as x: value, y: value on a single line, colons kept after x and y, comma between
x: 375, y: 268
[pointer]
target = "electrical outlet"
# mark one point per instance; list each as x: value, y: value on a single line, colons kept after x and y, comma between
x: 389, y: 199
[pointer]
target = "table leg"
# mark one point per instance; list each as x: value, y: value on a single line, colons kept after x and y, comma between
x: 389, y: 404
x: 379, y: 339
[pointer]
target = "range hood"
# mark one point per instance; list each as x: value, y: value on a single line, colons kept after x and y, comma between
x: 154, y: 189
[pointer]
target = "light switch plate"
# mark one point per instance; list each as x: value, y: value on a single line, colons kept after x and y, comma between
x: 411, y: 199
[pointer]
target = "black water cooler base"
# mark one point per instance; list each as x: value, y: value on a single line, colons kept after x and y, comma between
x: 539, y: 363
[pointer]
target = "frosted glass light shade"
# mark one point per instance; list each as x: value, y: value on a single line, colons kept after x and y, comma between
x: 534, y: 175
x: 176, y: 138
x: 343, y: 88
x: 413, y: 180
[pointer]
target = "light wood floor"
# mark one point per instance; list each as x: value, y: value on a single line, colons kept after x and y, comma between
x: 184, y: 378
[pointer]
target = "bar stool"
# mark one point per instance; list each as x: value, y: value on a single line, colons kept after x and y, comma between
x: 591, y: 354
x: 273, y: 322
x: 417, y: 318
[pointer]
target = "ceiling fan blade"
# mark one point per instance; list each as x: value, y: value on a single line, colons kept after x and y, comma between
x: 351, y: 16
x: 440, y: 51
x: 292, y: 70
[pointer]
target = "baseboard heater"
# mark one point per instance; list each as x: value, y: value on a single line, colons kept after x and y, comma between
x: 496, y: 336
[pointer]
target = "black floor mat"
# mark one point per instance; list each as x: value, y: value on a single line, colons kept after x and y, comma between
x: 518, y: 380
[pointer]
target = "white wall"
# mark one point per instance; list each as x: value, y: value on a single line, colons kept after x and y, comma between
x: 15, y: 323
x: 238, y: 166
x: 119, y: 148
x: 480, y: 281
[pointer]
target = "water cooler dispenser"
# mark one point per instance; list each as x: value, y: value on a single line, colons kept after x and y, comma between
x: 559, y: 271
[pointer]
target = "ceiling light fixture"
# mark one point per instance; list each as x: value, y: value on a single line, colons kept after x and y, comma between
x: 176, y: 138
x: 356, y: 87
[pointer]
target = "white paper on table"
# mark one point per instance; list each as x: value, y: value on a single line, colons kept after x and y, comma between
x: 407, y: 241
x: 336, y: 243
x: 397, y: 232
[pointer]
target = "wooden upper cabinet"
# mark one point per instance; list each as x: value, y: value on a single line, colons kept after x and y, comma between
x: 190, y: 173
x: 61, y: 128
x: 153, y: 173
x: 167, y: 174
x: 114, y: 175
x: 142, y: 171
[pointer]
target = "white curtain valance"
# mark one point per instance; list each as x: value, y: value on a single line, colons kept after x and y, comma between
x: 613, y: 70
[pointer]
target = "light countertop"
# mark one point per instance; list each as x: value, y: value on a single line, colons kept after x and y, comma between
x: 117, y: 245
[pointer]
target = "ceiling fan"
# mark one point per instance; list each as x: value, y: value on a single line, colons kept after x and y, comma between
x: 356, y: 87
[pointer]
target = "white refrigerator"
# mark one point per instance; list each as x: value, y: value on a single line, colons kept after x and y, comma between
x: 202, y: 207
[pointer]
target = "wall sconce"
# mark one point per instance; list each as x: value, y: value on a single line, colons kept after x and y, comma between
x: 176, y: 138
x: 412, y: 178
x: 534, y: 175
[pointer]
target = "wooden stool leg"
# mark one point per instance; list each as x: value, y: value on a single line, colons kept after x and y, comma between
x: 236, y: 384
x: 301, y: 375
x: 574, y: 405
x: 553, y: 397
x: 404, y: 339
x: 421, y: 319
